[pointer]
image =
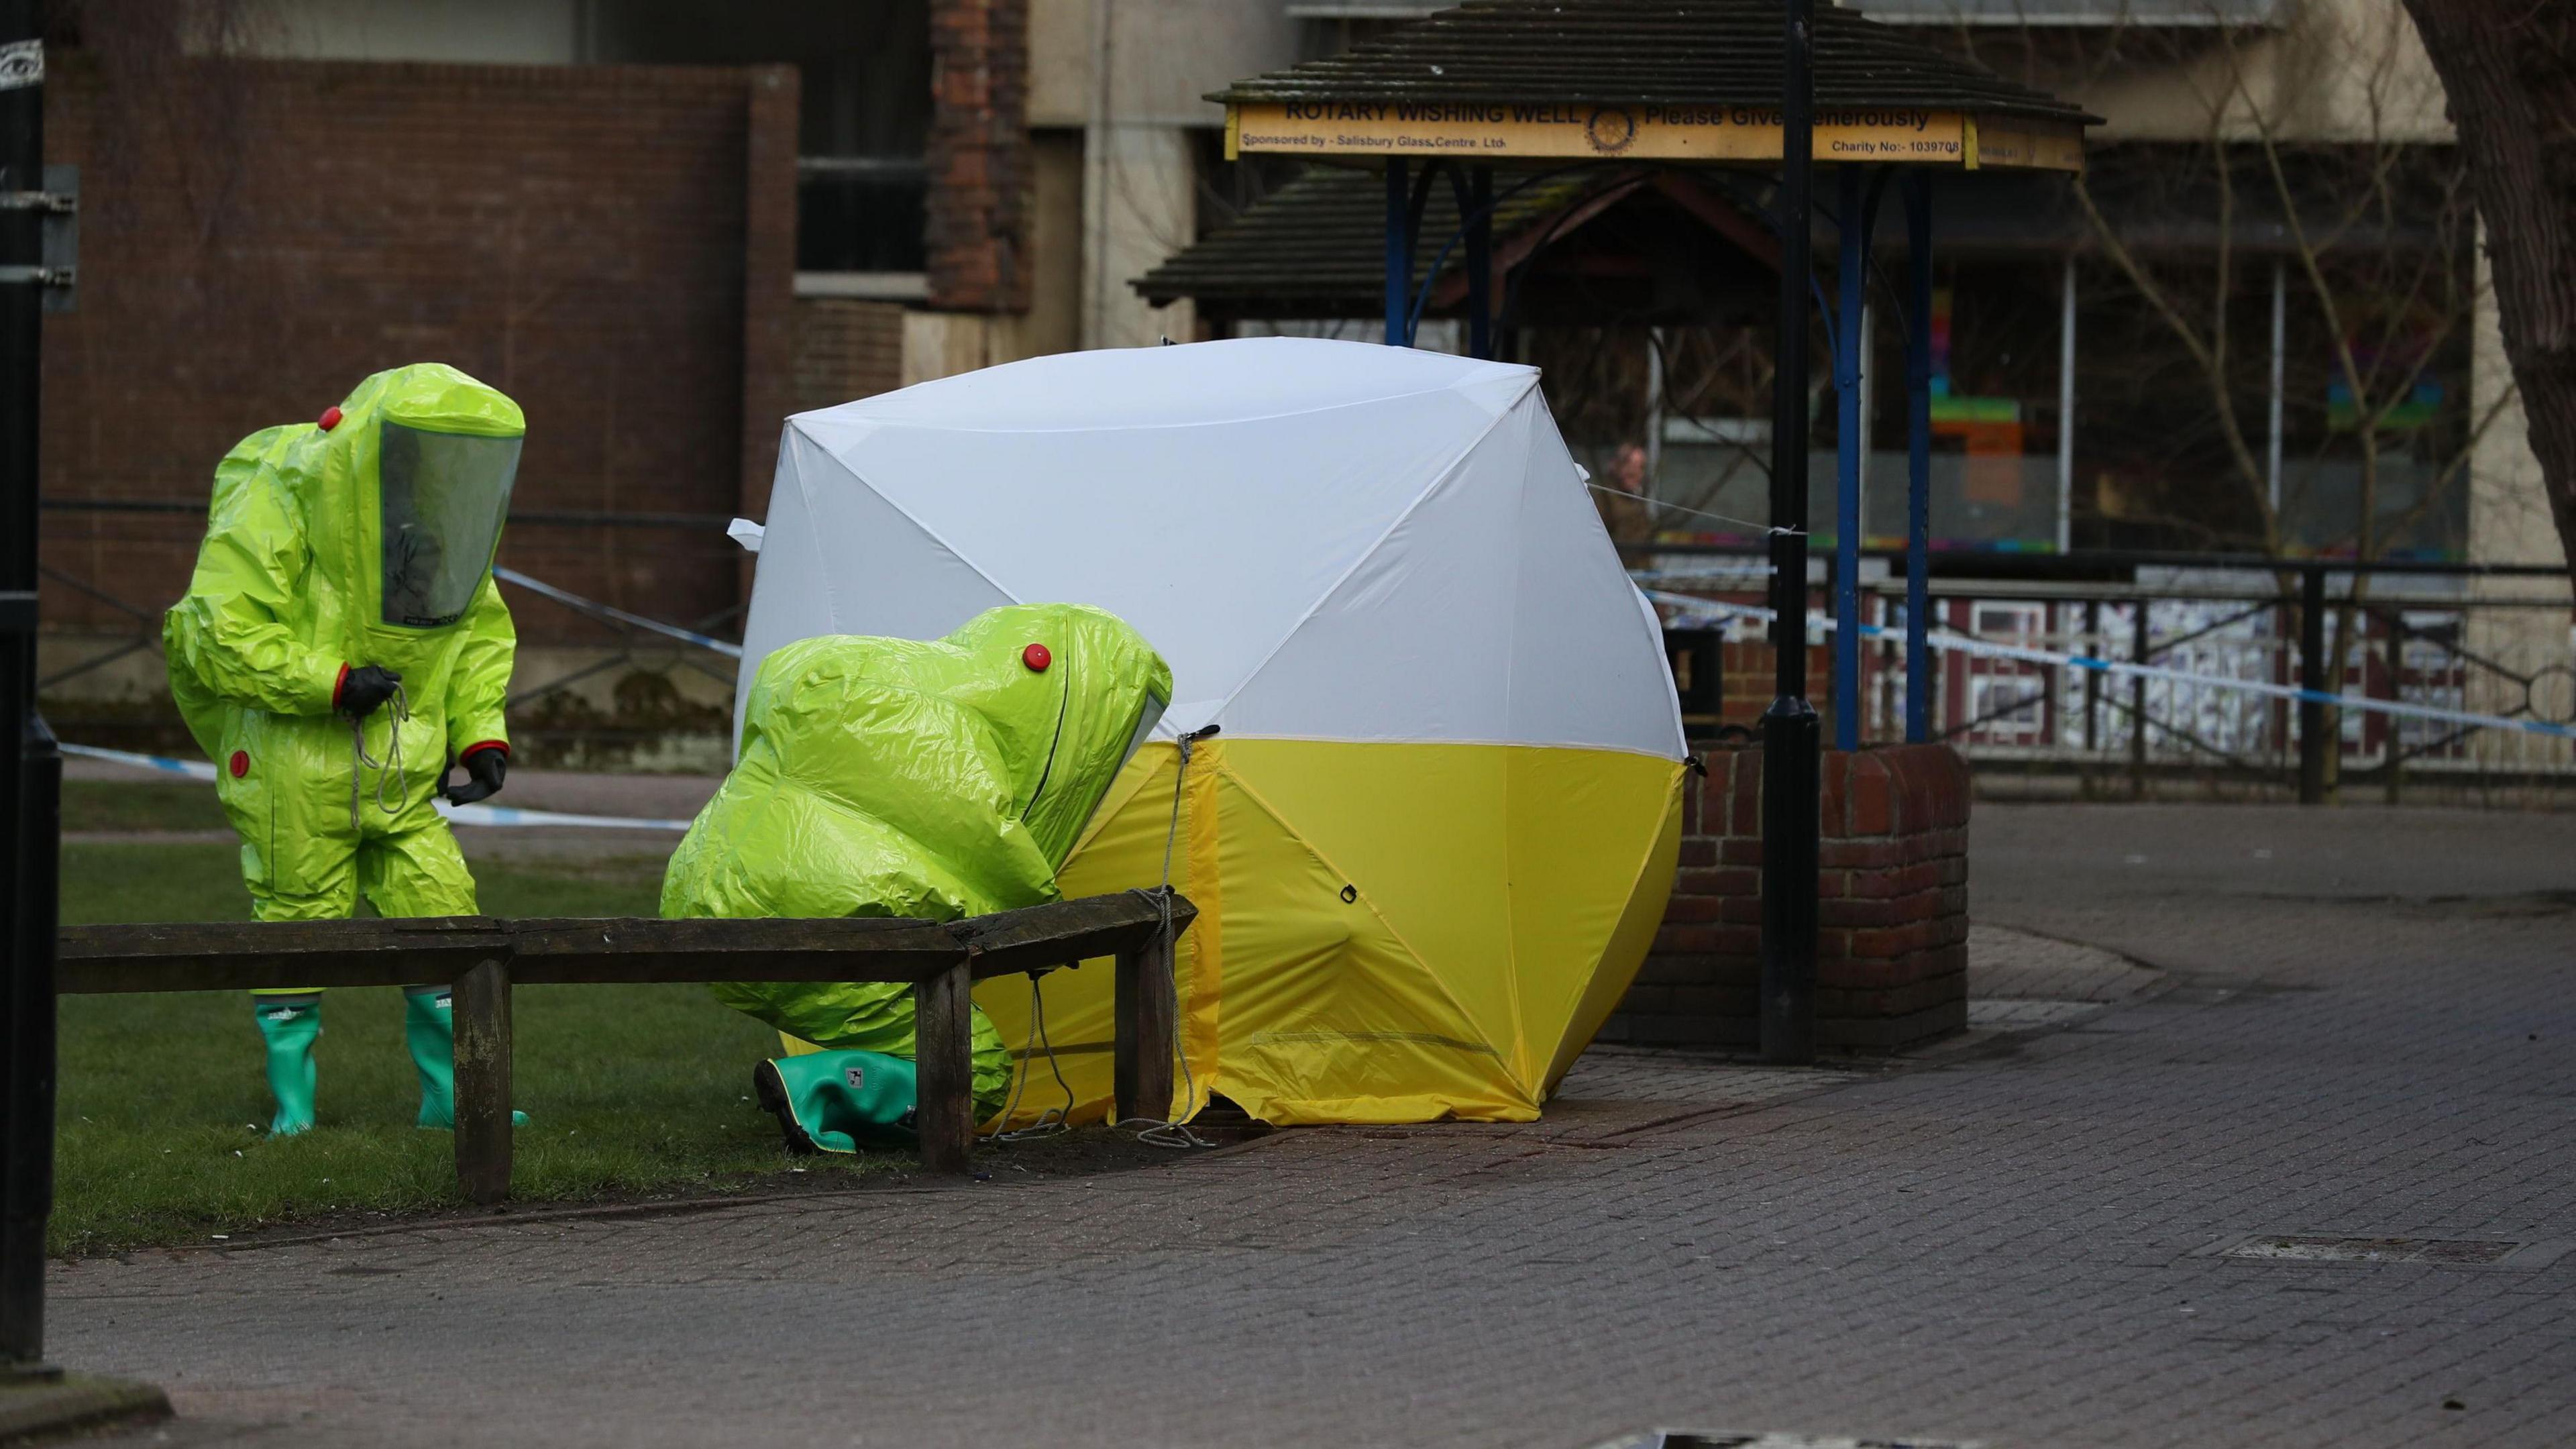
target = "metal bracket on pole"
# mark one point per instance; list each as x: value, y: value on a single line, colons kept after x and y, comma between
x: 17, y: 611
x: 57, y: 206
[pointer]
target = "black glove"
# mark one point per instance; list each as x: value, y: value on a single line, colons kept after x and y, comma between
x: 487, y: 766
x: 364, y: 689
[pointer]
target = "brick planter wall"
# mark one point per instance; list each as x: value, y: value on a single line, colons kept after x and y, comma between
x: 1892, y: 943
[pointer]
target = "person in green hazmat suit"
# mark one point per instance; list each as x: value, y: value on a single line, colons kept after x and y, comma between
x: 340, y: 644
x: 900, y: 777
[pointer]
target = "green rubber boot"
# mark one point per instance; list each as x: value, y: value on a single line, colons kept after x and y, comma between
x: 288, y: 1025
x: 429, y: 1025
x: 840, y: 1101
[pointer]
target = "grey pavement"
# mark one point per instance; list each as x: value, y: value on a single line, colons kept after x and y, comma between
x: 2355, y: 1023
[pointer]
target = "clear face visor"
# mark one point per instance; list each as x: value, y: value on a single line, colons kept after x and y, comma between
x: 1145, y: 723
x: 444, y: 496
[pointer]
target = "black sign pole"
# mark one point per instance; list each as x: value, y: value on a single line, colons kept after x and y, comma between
x: 1790, y: 740
x: 30, y: 767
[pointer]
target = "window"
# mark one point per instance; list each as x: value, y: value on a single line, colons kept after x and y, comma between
x: 862, y: 181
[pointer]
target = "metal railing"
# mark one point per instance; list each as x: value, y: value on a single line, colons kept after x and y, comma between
x: 2452, y: 674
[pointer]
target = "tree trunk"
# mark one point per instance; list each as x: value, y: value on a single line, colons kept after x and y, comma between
x: 2509, y: 70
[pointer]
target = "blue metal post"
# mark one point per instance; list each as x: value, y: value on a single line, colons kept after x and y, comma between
x: 1850, y: 440
x: 1480, y: 261
x: 1918, y: 460
x: 1399, y: 251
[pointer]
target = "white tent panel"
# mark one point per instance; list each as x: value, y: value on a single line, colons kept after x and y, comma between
x: 1325, y: 540
x: 1415, y: 642
x: 1584, y: 670
x: 1114, y: 389
x: 1496, y: 611
x: 838, y: 559
x: 1213, y: 538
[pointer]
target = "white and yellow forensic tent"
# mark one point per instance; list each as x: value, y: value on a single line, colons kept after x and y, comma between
x: 1437, y: 826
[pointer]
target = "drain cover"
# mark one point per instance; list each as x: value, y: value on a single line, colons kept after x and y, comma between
x: 1711, y: 1440
x: 2445, y: 1252
x: 1706, y: 1439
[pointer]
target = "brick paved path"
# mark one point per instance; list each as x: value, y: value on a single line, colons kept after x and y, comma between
x: 1997, y: 1244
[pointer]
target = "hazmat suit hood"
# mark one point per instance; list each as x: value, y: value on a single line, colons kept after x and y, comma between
x: 931, y: 778
x: 396, y: 498
x: 899, y: 777
x: 418, y: 472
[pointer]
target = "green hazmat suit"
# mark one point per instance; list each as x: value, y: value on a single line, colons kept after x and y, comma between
x: 363, y: 539
x: 899, y: 777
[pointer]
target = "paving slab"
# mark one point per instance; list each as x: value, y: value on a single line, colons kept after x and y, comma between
x: 2011, y: 1246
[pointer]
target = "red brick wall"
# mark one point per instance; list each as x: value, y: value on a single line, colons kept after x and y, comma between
x: 1892, y: 952
x: 846, y: 349
x: 978, y: 229
x: 610, y: 245
x: 769, y: 318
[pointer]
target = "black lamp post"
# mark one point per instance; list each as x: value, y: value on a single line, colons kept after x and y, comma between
x: 1790, y: 738
x: 31, y: 770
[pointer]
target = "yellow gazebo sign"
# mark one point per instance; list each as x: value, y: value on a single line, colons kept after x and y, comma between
x: 1483, y: 130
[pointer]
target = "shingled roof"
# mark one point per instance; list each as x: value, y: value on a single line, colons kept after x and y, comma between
x: 1321, y: 238
x: 1646, y: 52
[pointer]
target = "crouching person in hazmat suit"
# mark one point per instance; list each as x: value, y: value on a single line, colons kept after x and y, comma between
x: 340, y: 644
x: 899, y: 777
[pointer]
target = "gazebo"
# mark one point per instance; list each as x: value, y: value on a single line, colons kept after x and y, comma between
x: 1499, y: 98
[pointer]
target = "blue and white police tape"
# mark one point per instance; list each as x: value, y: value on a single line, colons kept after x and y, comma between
x: 456, y: 814
x: 1968, y: 644
x: 579, y: 604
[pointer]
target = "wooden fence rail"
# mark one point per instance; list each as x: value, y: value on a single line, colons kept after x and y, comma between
x: 484, y: 958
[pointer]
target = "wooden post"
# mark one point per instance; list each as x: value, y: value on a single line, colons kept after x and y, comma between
x: 944, y: 1057
x: 483, y: 1088
x: 1142, y: 1070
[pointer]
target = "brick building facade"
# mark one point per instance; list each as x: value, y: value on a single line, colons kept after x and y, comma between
x: 977, y: 231
x: 612, y: 245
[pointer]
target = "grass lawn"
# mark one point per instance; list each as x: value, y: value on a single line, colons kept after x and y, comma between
x: 145, y: 805
x: 629, y: 1089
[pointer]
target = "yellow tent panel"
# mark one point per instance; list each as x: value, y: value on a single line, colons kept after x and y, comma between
x: 1433, y: 929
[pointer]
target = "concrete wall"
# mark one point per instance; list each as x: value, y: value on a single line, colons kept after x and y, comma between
x: 2331, y: 70
x: 522, y: 32
x: 1160, y: 56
